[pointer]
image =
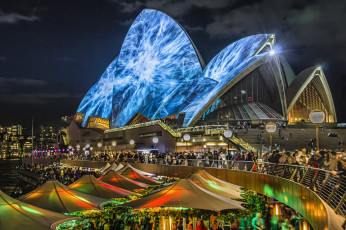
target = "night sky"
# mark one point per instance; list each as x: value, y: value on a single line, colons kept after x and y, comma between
x: 53, y: 51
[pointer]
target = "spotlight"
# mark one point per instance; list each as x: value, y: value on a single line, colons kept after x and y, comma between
x: 272, y: 52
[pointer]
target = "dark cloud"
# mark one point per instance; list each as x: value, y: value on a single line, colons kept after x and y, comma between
x: 126, y: 23
x: 193, y: 29
x: 36, y: 98
x: 67, y: 59
x: 13, y: 18
x: 72, y: 45
x: 174, y: 8
x: 14, y: 82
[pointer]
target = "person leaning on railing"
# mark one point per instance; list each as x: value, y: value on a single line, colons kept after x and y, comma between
x: 341, y: 167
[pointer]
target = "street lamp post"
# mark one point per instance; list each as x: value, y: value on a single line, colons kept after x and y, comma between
x: 99, y: 145
x: 271, y: 128
x: 317, y: 117
x: 186, y: 138
x: 155, y: 141
x: 78, y: 148
x: 228, y: 134
x: 132, y: 142
x: 114, y: 143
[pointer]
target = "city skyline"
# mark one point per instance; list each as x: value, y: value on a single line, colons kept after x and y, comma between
x: 56, y: 51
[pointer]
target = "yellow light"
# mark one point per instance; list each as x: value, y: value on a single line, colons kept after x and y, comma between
x: 184, y: 143
x: 305, y: 225
x: 277, y: 209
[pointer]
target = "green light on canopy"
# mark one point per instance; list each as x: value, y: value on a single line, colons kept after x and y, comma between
x: 16, y: 205
x: 31, y: 210
x: 82, y: 199
x: 268, y: 191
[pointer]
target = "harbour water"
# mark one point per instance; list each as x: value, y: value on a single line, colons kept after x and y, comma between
x: 9, y: 177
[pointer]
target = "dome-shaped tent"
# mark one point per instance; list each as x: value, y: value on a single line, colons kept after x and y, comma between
x: 57, y: 197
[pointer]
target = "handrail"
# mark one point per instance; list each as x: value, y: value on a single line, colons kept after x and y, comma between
x: 243, y: 144
x: 211, y: 129
x: 146, y: 124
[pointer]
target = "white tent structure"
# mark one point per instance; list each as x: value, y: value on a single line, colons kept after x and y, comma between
x: 112, y: 167
x: 128, y: 166
x: 120, y: 166
x: 120, y: 181
x: 184, y: 193
x: 213, y: 187
x: 104, y: 168
x: 218, y: 182
x: 15, y: 215
x: 90, y: 185
x: 57, y: 197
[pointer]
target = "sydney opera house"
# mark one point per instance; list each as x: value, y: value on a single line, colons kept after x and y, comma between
x: 160, y: 75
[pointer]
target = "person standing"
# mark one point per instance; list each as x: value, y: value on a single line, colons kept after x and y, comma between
x: 201, y: 225
x: 215, y: 226
x: 257, y: 222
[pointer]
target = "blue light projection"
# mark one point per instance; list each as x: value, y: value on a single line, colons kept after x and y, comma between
x: 223, y: 68
x: 98, y: 101
x: 156, y: 63
x: 158, y: 73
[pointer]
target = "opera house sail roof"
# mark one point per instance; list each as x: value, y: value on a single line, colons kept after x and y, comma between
x: 98, y: 101
x: 159, y: 73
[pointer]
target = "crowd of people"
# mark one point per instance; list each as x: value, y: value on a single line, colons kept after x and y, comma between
x: 40, y: 174
x: 334, y: 162
x: 323, y: 159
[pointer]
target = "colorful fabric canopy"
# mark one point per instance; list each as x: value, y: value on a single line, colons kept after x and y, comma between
x: 120, y: 181
x: 57, y: 197
x: 217, y: 181
x: 15, y: 215
x: 132, y: 174
x: 90, y: 185
x: 113, y: 166
x: 120, y: 166
x: 212, y: 186
x: 184, y: 193
x: 128, y: 166
x: 104, y: 167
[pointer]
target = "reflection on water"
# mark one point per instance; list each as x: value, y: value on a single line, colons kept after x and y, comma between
x: 8, y: 174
